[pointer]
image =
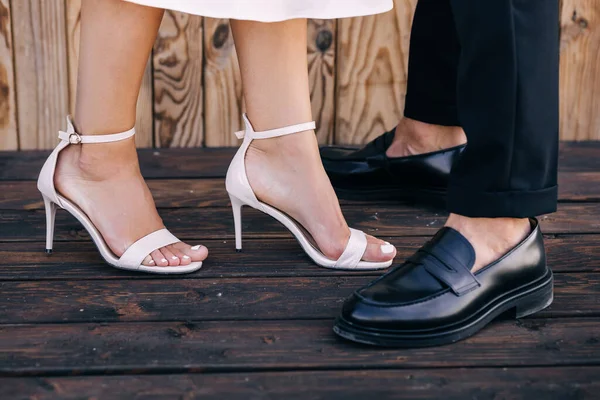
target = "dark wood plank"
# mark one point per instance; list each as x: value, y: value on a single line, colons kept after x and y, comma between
x: 579, y: 186
x: 272, y: 345
x: 185, y: 193
x: 217, y: 223
x: 27, y: 261
x: 156, y: 163
x: 213, y: 162
x: 579, y: 156
x: 225, y: 299
x: 168, y: 193
x: 550, y: 383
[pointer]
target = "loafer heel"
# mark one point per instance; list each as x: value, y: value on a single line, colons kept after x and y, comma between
x: 536, y: 301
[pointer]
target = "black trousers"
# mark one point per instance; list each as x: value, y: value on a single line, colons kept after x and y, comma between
x: 491, y: 67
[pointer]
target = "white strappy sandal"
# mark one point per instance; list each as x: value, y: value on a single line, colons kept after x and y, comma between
x: 241, y: 194
x: 136, y: 253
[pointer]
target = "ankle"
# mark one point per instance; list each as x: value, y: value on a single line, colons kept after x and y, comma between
x: 490, y: 237
x: 414, y: 137
x: 294, y: 145
x: 101, y: 161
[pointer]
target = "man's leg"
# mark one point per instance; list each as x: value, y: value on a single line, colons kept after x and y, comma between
x: 490, y: 257
x: 508, y: 106
x: 430, y: 120
x: 430, y: 127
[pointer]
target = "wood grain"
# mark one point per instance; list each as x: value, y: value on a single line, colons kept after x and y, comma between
x: 550, y: 383
x: 227, y: 298
x: 574, y: 157
x: 278, y: 345
x: 217, y: 223
x: 8, y: 106
x: 41, y: 70
x: 157, y: 163
x: 580, y: 70
x: 27, y: 261
x: 210, y: 192
x: 321, y: 74
x: 372, y: 65
x: 223, y: 106
x: 144, y: 119
x: 178, y: 99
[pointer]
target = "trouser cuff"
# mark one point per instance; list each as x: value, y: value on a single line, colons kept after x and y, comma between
x: 511, y: 204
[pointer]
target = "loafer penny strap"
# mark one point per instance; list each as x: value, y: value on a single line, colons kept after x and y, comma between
x: 73, y: 137
x: 137, y: 252
x: 355, y: 249
x: 449, y: 270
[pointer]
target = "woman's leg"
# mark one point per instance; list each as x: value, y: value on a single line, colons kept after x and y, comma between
x: 286, y: 172
x: 105, y: 179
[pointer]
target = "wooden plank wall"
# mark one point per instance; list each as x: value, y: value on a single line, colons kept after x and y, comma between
x: 191, y: 95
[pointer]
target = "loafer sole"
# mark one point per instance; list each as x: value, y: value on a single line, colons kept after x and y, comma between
x: 526, y: 301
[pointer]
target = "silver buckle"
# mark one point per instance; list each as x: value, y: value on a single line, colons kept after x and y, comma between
x: 74, y: 138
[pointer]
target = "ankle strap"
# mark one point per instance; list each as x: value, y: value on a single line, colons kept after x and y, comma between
x: 286, y: 130
x: 75, y: 138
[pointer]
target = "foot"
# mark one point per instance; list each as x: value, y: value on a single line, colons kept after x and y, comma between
x: 105, y: 181
x: 490, y: 237
x: 414, y: 137
x: 286, y: 172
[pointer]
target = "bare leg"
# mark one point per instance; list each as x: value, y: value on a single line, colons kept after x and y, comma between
x: 286, y: 172
x: 105, y: 179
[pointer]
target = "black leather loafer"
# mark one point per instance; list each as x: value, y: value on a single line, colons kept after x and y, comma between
x: 368, y: 174
x: 434, y: 299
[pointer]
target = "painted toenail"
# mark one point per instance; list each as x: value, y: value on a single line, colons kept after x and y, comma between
x: 151, y: 262
x: 164, y: 260
x: 174, y: 258
x: 197, y: 247
x: 186, y: 257
x: 387, y: 248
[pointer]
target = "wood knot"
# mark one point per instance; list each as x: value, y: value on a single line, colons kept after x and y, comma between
x: 582, y: 22
x: 324, y: 40
x: 220, y: 36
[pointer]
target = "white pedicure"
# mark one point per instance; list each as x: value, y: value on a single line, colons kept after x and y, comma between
x: 186, y: 257
x: 164, y: 260
x: 197, y: 247
x: 151, y: 262
x: 174, y: 258
x: 387, y: 248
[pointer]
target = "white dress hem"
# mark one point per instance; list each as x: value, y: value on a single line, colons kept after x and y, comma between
x: 242, y: 11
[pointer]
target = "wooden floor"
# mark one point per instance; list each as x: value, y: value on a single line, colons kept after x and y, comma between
x: 257, y: 325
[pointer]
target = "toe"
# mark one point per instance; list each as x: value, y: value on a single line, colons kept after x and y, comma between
x: 378, y: 250
x: 184, y: 259
x: 159, y: 258
x: 172, y: 258
x: 149, y: 261
x: 196, y: 253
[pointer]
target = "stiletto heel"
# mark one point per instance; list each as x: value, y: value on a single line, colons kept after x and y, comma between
x: 136, y: 253
x: 236, y: 205
x: 50, y: 217
x: 241, y: 193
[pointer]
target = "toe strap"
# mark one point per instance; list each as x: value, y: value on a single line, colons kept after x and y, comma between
x: 355, y: 249
x: 137, y: 252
